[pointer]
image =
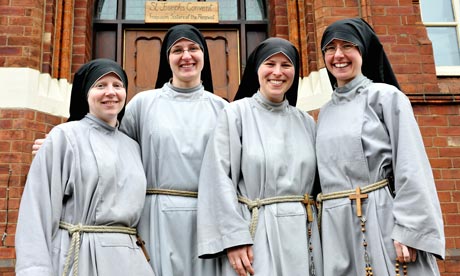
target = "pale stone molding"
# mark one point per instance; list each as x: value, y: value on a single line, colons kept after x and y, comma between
x: 28, y: 88
x: 314, y: 90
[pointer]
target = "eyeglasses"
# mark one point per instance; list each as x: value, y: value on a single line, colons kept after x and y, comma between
x: 345, y: 48
x: 180, y: 51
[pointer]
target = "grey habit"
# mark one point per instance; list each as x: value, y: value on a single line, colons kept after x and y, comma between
x: 364, y: 134
x: 90, y: 173
x: 172, y: 126
x: 260, y: 150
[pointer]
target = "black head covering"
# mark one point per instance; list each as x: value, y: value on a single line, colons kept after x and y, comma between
x: 376, y: 65
x: 250, y: 81
x: 172, y: 36
x: 84, y: 79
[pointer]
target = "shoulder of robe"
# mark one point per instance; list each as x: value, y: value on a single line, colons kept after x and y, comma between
x: 384, y: 91
x: 147, y: 94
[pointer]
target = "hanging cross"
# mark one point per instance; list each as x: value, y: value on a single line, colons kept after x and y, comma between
x: 358, y: 196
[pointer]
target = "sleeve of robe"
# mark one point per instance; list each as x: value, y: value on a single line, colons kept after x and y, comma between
x: 416, y: 209
x: 220, y: 220
x: 49, y: 178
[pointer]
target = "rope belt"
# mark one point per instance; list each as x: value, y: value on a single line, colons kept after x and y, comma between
x: 254, y: 206
x: 76, y: 229
x: 347, y: 193
x: 171, y: 192
x: 358, y: 194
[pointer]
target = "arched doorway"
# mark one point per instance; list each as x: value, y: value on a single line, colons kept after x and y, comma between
x: 242, y: 25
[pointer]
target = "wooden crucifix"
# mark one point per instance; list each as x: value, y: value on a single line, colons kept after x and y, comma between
x: 358, y: 196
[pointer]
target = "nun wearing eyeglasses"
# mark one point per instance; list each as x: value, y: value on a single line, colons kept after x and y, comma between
x: 255, y: 206
x: 380, y: 210
x: 172, y: 125
x: 85, y: 189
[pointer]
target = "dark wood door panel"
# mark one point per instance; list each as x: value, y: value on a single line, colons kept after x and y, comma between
x: 141, y: 59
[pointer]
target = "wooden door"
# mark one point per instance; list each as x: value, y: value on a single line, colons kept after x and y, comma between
x: 141, y: 59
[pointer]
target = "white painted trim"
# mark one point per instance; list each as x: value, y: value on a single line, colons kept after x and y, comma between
x: 28, y: 88
x: 448, y: 71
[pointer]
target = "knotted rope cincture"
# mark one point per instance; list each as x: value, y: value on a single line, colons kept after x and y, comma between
x: 75, y: 231
x: 171, y: 192
x: 254, y: 206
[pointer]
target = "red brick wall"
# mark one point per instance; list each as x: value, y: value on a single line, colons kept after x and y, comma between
x: 440, y: 127
x: 449, y: 85
x: 28, y: 30
x: 399, y: 27
x: 18, y: 129
x: 277, y: 13
x: 48, y: 38
x: 21, y: 32
x: 82, y: 36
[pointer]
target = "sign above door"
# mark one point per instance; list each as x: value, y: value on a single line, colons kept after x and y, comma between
x: 181, y: 12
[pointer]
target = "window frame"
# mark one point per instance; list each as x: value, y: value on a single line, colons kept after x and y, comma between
x: 447, y: 70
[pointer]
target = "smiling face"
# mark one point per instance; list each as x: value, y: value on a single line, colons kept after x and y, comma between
x: 186, y: 60
x: 276, y: 75
x: 343, y: 60
x: 106, y: 98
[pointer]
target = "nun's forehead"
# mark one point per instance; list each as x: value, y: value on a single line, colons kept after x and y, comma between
x: 336, y: 39
x: 276, y: 53
x: 112, y: 73
x: 183, y: 38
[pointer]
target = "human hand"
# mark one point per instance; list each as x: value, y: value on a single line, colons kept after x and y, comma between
x: 405, y: 254
x: 37, y: 144
x: 241, y: 258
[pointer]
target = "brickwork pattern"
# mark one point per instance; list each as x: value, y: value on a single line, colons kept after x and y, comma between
x: 18, y: 129
x: 440, y: 128
x: 31, y: 33
x: 21, y: 33
x: 48, y: 37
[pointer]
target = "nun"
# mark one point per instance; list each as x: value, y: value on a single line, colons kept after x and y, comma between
x: 85, y: 189
x: 258, y: 177
x: 380, y: 210
x: 172, y: 125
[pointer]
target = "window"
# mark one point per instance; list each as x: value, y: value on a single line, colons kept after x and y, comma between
x: 112, y: 17
x: 228, y: 9
x: 442, y: 20
x: 106, y: 9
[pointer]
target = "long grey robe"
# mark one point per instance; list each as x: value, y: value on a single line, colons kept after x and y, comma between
x: 90, y: 173
x: 365, y: 133
x: 172, y: 127
x: 259, y: 150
